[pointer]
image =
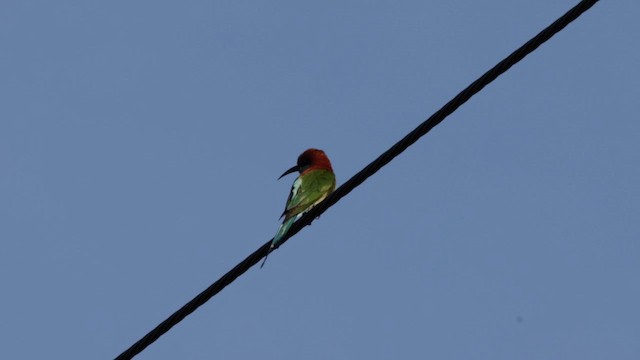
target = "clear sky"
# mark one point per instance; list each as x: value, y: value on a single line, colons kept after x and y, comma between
x: 140, y: 142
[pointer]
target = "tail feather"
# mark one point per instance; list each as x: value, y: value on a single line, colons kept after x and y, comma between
x: 282, y: 231
x: 266, y: 256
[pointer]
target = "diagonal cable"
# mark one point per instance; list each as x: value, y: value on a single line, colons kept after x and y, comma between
x: 361, y: 176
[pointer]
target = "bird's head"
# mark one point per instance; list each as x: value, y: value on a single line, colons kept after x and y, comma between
x: 310, y: 159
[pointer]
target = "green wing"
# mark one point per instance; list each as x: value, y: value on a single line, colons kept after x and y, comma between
x: 309, y: 189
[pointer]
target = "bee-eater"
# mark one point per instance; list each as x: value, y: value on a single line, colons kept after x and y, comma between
x: 315, y: 182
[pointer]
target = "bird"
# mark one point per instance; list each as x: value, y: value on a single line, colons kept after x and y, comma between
x: 315, y: 182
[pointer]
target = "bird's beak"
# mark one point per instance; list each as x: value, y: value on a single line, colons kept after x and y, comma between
x: 293, y: 169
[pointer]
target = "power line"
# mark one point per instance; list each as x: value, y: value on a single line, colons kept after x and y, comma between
x: 361, y: 176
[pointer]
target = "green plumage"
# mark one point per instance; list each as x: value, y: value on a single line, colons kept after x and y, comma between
x: 309, y: 189
x: 315, y: 182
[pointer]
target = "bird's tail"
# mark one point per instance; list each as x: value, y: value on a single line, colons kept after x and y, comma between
x: 282, y: 231
x: 266, y: 256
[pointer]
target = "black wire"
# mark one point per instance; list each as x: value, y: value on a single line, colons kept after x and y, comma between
x: 361, y: 176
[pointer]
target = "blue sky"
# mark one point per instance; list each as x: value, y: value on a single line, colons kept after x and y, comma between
x: 140, y: 144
